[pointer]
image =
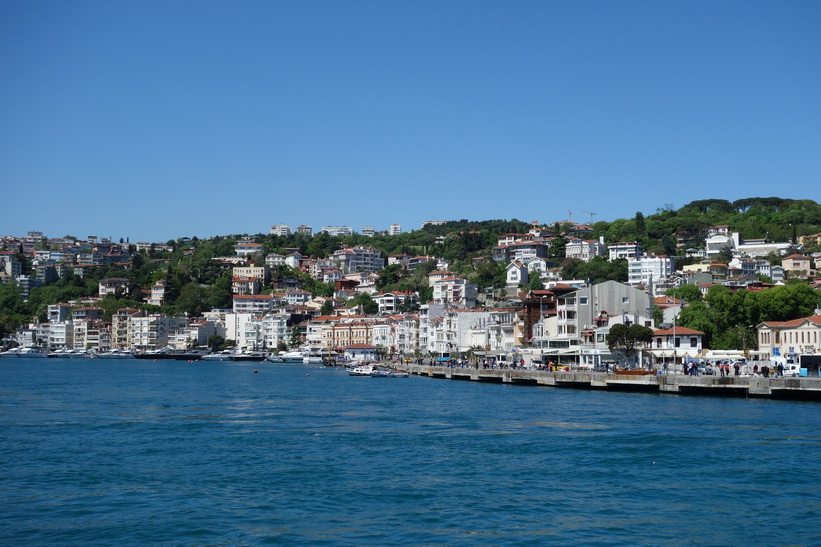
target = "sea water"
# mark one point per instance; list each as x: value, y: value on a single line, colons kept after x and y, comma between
x: 100, y: 452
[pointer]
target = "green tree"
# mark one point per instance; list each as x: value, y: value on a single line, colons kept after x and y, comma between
x: 365, y: 303
x: 327, y: 308
x: 626, y: 340
x: 296, y: 338
x: 688, y: 293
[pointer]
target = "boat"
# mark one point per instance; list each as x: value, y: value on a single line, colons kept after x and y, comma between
x: 65, y: 353
x: 255, y: 356
x: 116, y: 354
x: 365, y: 369
x: 224, y: 355
x: 172, y: 354
x: 32, y: 353
x: 388, y: 374
x: 12, y: 353
x: 293, y: 356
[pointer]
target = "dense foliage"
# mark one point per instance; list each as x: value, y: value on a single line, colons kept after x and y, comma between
x: 729, y: 320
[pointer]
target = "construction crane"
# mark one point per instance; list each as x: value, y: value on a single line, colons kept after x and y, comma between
x: 591, y: 213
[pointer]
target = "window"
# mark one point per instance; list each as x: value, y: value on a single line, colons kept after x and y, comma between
x: 678, y: 342
x: 625, y: 300
x: 693, y: 342
x: 583, y: 300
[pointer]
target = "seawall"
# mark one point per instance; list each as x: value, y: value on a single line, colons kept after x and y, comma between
x: 737, y: 386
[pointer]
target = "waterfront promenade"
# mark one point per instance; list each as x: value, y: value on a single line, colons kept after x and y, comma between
x: 740, y: 386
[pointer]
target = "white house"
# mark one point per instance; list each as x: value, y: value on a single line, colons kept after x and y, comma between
x: 517, y: 274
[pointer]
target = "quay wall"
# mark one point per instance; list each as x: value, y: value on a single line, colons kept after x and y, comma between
x: 740, y: 386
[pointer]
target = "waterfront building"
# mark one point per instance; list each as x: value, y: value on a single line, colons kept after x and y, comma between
x: 120, y: 338
x: 60, y: 334
x: 797, y: 337
x: 152, y: 331
x: 676, y: 343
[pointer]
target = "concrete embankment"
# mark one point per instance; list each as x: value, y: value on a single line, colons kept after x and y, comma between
x: 739, y: 386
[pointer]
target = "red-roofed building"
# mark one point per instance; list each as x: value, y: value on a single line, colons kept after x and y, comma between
x: 780, y: 338
x: 677, y: 342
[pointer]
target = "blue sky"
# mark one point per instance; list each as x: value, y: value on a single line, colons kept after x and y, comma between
x: 154, y: 120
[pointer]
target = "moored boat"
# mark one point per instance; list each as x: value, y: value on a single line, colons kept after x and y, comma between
x: 116, y: 354
x: 224, y: 355
x: 172, y: 354
x: 254, y: 356
x: 365, y: 369
x: 35, y: 353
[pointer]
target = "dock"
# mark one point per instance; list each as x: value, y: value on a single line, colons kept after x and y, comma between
x: 806, y: 388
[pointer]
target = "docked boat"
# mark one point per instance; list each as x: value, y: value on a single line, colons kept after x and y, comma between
x: 172, y: 354
x: 31, y: 353
x: 10, y: 354
x: 116, y: 354
x: 254, y: 356
x: 224, y: 355
x: 66, y: 353
x: 293, y: 356
x: 365, y: 369
x: 388, y: 374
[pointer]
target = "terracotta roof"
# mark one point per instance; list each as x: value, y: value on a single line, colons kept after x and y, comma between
x: 676, y: 330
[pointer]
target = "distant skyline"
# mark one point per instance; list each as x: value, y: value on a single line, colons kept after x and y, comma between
x: 157, y: 120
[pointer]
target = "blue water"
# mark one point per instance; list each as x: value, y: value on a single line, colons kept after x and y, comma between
x: 169, y: 453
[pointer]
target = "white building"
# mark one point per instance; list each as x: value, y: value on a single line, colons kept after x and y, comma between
x: 153, y: 331
x: 455, y: 292
x: 253, y: 303
x: 337, y: 230
x: 649, y: 269
x: 624, y: 250
x: 282, y: 230
x: 358, y: 259
x: 394, y: 230
x: 368, y: 231
x: 517, y: 274
x: 584, y: 249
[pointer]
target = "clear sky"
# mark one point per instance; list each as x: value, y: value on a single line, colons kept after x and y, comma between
x: 154, y: 120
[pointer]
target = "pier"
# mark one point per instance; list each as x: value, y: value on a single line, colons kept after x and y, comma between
x: 807, y: 388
